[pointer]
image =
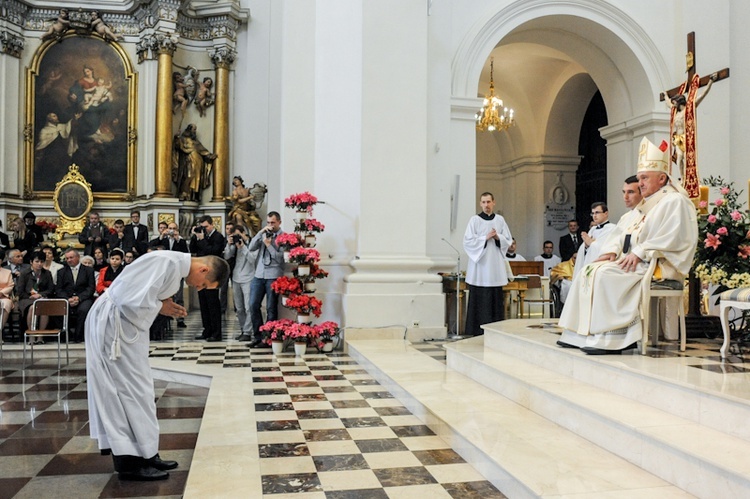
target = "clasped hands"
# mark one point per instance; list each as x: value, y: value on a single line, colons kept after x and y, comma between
x: 492, y: 235
x: 171, y: 309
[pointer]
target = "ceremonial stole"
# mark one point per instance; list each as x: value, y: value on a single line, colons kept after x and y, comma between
x: 690, y: 179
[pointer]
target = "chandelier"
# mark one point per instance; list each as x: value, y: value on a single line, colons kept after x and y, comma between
x: 493, y: 116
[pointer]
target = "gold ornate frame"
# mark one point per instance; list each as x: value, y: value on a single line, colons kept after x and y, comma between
x: 73, y: 200
x: 32, y: 73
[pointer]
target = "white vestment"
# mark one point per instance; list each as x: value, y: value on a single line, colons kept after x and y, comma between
x: 515, y: 258
x: 486, y: 267
x: 604, y: 305
x: 122, y: 411
x: 549, y: 263
x: 590, y: 254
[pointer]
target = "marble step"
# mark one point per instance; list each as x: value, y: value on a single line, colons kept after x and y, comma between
x: 519, y: 451
x: 700, y: 460
x: 716, y: 400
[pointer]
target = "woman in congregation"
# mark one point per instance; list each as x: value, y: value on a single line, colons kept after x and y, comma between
x: 50, y: 263
x: 100, y: 259
x: 34, y: 282
x: 6, y: 292
x: 23, y: 240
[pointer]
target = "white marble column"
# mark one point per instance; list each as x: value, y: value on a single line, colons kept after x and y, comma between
x: 11, y: 135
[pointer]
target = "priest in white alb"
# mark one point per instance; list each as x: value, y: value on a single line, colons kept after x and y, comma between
x: 122, y: 411
x: 603, y: 313
x: 595, y: 237
x: 486, y: 240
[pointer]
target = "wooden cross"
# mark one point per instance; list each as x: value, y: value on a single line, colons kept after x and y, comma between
x: 690, y: 60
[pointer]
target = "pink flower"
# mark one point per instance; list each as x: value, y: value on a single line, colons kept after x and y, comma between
x: 744, y: 251
x: 719, y: 202
x: 722, y: 231
x: 711, y: 219
x: 736, y: 216
x: 703, y: 204
x: 712, y: 241
x: 724, y: 191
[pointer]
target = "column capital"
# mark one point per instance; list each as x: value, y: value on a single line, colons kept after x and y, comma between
x: 152, y: 44
x: 222, y: 57
x: 11, y: 43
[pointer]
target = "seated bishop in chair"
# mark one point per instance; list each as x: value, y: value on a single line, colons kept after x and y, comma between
x: 603, y: 312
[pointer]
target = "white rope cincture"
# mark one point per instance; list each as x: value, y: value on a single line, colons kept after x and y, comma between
x: 115, y: 352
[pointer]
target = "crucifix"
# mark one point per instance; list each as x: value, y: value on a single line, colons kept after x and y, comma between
x: 683, y: 101
x: 695, y: 322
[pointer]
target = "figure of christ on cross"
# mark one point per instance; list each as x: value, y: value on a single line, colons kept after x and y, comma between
x: 683, y: 101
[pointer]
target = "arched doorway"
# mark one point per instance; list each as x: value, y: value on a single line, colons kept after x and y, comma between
x: 550, y: 60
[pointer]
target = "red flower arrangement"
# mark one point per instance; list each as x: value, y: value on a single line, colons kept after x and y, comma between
x: 327, y: 331
x: 286, y: 286
x: 304, y: 256
x: 288, y: 240
x: 275, y: 330
x: 300, y: 333
x: 309, y: 225
x: 305, y: 304
x: 301, y: 202
x: 46, y: 227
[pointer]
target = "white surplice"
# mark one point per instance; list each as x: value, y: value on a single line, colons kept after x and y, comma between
x: 589, y: 255
x: 604, y: 305
x: 487, y: 265
x: 549, y: 263
x: 122, y: 411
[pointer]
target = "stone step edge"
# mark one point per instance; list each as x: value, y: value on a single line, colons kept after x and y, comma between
x: 693, y: 454
x: 664, y: 385
x: 508, y: 483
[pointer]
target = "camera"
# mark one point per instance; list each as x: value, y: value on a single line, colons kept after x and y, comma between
x: 170, y: 232
x: 198, y: 229
x: 234, y: 239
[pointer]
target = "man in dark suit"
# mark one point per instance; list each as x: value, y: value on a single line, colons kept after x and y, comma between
x: 570, y: 242
x: 77, y: 284
x: 15, y: 263
x: 116, y: 240
x: 206, y: 240
x: 94, y: 235
x: 171, y: 240
x: 136, y: 234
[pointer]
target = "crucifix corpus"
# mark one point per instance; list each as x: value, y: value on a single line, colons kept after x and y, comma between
x: 683, y: 101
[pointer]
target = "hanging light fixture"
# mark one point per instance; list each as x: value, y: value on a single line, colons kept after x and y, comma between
x: 494, y: 116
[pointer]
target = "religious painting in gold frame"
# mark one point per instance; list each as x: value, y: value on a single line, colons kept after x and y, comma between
x: 81, y: 107
x: 73, y: 200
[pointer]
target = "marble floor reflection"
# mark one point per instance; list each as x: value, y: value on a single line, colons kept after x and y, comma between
x: 318, y: 426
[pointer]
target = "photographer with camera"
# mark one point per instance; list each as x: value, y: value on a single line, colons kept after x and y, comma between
x: 242, y: 261
x: 269, y: 266
x: 206, y: 240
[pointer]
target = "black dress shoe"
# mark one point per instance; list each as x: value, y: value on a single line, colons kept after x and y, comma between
x: 565, y: 345
x: 143, y: 474
x: 200, y: 337
x: 244, y: 337
x: 601, y: 351
x: 160, y: 464
x: 256, y: 343
x: 213, y: 338
x: 181, y: 324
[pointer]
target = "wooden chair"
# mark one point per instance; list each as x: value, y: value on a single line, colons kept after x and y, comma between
x: 50, y: 307
x: 535, y: 282
x: 659, y: 291
x: 732, y: 298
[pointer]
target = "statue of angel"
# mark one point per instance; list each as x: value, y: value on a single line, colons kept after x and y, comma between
x: 98, y: 25
x: 59, y: 26
x: 204, y: 98
x: 179, y: 96
x: 190, y: 86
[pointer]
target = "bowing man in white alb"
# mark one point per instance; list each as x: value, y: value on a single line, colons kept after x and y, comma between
x: 486, y: 240
x: 122, y: 411
x: 603, y: 311
x: 593, y: 240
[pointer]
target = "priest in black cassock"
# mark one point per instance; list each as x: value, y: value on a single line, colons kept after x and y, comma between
x: 486, y: 240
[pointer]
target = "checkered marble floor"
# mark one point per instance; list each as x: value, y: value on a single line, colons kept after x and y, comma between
x: 325, y: 429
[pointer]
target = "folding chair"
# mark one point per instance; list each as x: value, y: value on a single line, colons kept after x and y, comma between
x: 51, y: 307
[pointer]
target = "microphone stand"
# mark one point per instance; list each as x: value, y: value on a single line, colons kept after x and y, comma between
x: 458, y: 287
